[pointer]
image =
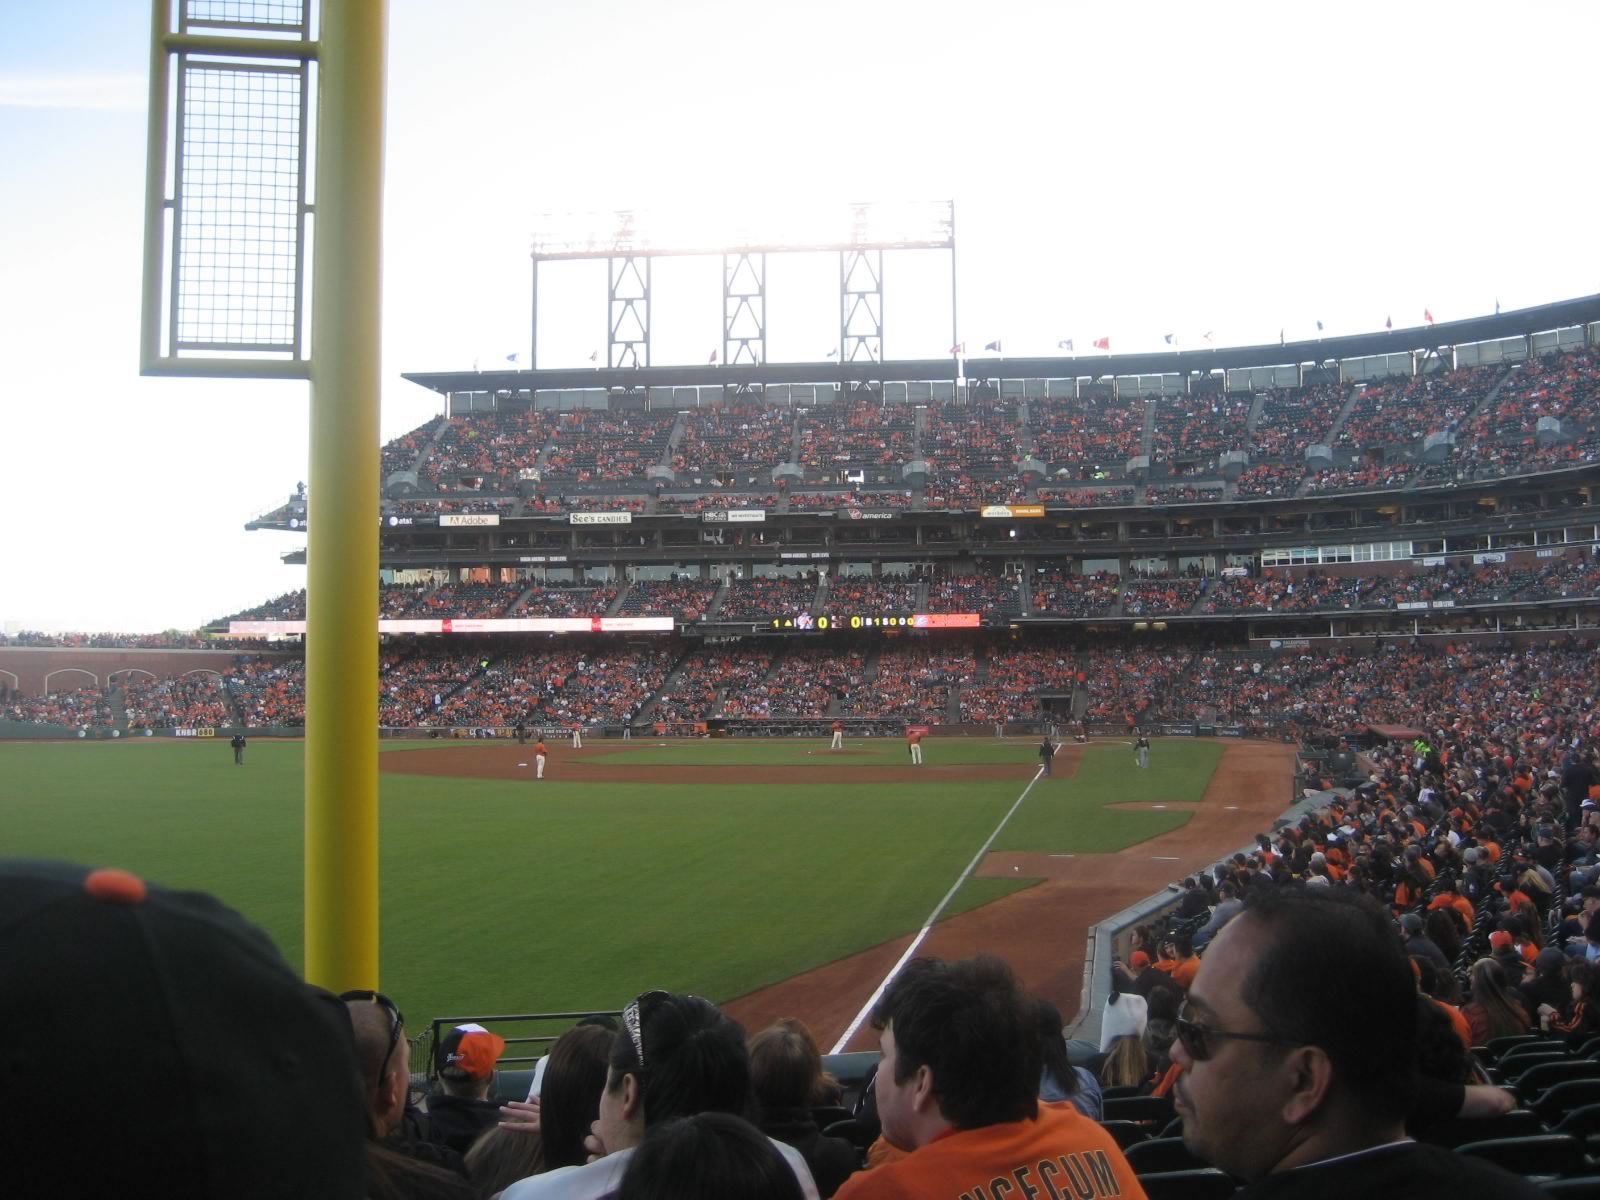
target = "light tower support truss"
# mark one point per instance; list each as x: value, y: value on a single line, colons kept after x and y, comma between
x: 744, y: 308
x: 628, y: 323
x: 859, y: 234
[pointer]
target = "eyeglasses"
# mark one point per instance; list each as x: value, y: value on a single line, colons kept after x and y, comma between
x: 396, y: 1023
x: 1197, y: 1038
x: 633, y: 1017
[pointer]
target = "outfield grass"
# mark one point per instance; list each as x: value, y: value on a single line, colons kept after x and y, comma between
x: 500, y: 898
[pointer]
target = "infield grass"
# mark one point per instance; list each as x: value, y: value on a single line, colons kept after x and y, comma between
x: 502, y: 897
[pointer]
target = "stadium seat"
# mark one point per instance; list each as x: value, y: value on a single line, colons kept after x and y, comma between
x: 1147, y: 1110
x: 1590, y: 1048
x: 828, y: 1114
x: 1582, y: 1122
x: 1563, y: 1098
x: 1202, y: 1184
x: 1126, y: 1133
x: 1544, y: 1155
x: 1520, y: 1122
x: 1120, y: 1092
x: 1544, y: 1075
x: 858, y: 1133
x: 1160, y: 1155
x: 512, y: 1085
x: 1512, y: 1067
x: 1496, y: 1048
x: 1579, y: 1187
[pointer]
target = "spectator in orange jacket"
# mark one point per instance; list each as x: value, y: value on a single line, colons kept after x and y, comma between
x: 959, y: 1085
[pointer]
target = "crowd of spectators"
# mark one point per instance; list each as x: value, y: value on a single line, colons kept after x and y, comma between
x: 1274, y: 593
x: 196, y: 700
x: 593, y: 445
x: 1099, y: 497
x: 1200, y: 427
x: 684, y: 599
x: 268, y: 691
x: 694, y: 692
x: 913, y: 683
x: 1099, y: 430
x: 965, y: 491
x: 1294, y: 418
x: 804, y: 682
x: 483, y: 447
x: 959, y: 439
x: 1059, y: 591
x: 978, y: 592
x: 1268, y: 480
x: 699, y: 504
x: 1563, y: 385
x: 1160, y: 597
x: 401, y: 453
x: 1396, y: 412
x: 741, y: 438
x: 482, y: 600
x: 1178, y: 493
x: 605, y: 687
x: 1360, y: 477
x: 764, y: 598
x: 858, y: 432
x: 414, y: 685
x: 856, y: 594
x: 170, y: 639
x: 562, y: 600
x: 75, y: 708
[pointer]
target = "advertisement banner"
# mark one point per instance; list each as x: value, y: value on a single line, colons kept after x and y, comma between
x: 1548, y: 552
x: 469, y: 519
x: 1011, y: 510
x: 1433, y: 560
x: 1493, y: 557
x: 1230, y: 731
x: 865, y: 514
x: 947, y: 620
x: 746, y: 516
x: 1407, y: 605
x: 1234, y: 572
x: 600, y: 518
x: 594, y: 624
x: 1444, y: 603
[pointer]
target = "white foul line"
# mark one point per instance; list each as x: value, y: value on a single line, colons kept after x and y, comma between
x: 933, y: 917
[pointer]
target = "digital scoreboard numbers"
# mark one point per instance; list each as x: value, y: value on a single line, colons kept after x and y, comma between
x: 805, y: 622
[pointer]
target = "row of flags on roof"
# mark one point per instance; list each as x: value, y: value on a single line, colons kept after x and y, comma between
x: 959, y: 350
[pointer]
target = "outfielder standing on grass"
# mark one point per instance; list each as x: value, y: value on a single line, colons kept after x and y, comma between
x: 914, y: 744
x: 577, y: 737
x: 538, y: 759
x: 838, y: 736
x: 1141, y: 750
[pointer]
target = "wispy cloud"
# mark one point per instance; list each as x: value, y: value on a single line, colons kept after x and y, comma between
x: 104, y: 93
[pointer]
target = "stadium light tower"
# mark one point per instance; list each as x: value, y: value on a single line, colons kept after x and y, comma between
x: 266, y: 116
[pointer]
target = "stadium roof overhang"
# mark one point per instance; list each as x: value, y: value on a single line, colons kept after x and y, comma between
x: 1521, y: 323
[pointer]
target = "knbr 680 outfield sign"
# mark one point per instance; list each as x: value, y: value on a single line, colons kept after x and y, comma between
x: 805, y: 621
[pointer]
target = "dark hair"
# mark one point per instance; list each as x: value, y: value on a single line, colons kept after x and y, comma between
x: 1504, y: 1015
x: 569, y: 1093
x: 1164, y: 1002
x: 1183, y: 943
x: 1441, y: 928
x: 1053, y: 1047
x: 1332, y: 955
x: 500, y: 1157
x: 783, y: 1069
x: 695, y: 1059
x: 968, y: 1022
x: 709, y: 1154
x: 1440, y: 1054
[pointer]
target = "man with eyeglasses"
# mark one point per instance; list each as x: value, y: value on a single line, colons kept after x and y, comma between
x: 1297, y: 1052
x: 958, y: 1092
x: 675, y: 1056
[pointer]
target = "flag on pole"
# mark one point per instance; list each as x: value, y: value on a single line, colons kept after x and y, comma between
x: 1427, y: 315
x: 1064, y: 344
x: 594, y: 356
x: 1497, y: 306
x: 1388, y: 322
x: 994, y: 345
x: 1167, y: 337
x: 713, y: 357
x: 834, y: 353
x: 958, y: 349
x: 1206, y: 335
x: 1280, y: 335
x: 1102, y: 343
x: 1319, y: 326
x: 511, y: 358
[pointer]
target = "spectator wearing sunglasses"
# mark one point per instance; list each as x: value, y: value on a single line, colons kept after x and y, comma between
x: 1297, y: 1057
x: 958, y: 1091
x: 675, y: 1056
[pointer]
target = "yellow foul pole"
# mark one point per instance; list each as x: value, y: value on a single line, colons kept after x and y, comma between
x: 341, y: 879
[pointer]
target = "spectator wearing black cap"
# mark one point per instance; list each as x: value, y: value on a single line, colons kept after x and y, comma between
x: 461, y: 1109
x: 1419, y: 945
x: 220, y: 1072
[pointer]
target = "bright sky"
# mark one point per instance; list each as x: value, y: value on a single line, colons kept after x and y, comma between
x: 1119, y: 170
